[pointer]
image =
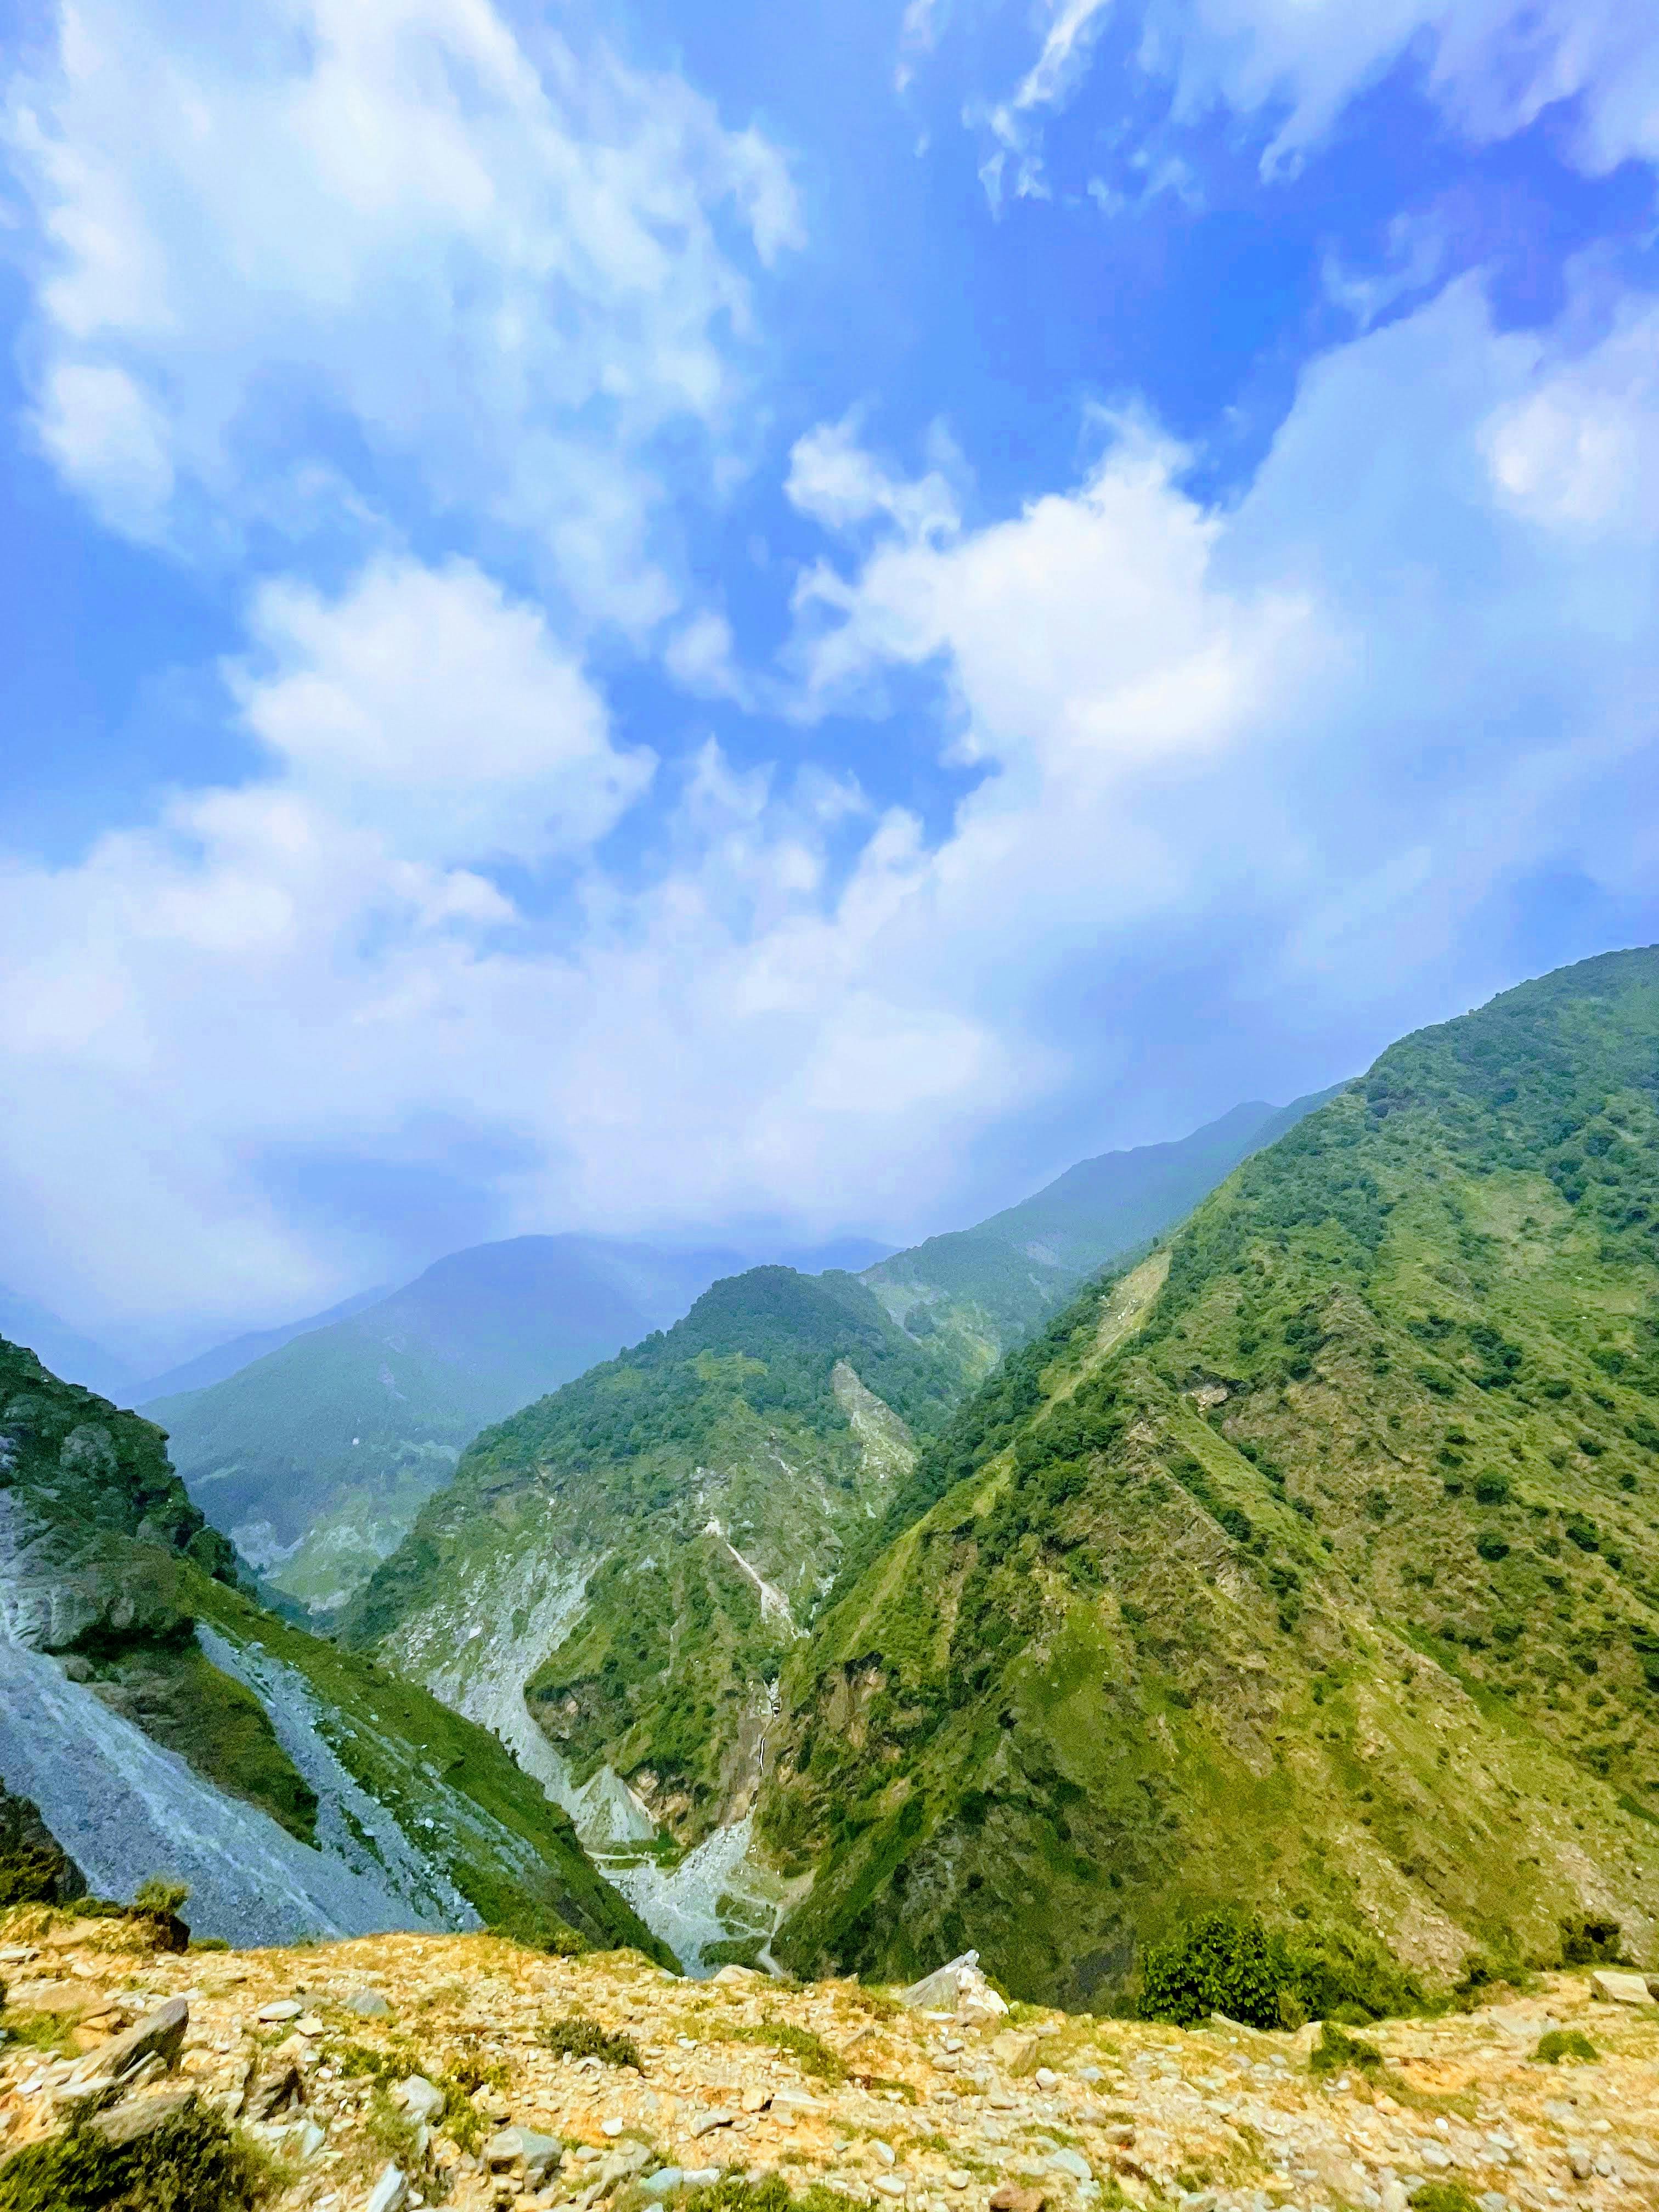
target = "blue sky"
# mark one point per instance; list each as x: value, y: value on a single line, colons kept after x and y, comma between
x: 783, y: 621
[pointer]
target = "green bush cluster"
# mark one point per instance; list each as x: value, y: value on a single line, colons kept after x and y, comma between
x: 1338, y: 2052
x: 1229, y: 1962
x: 575, y: 2036
x: 811, y: 2052
x: 193, y: 2162
x: 1565, y: 2046
x: 732, y: 2193
x: 1590, y: 1940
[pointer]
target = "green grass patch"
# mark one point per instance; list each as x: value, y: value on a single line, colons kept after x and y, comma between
x: 1338, y: 2052
x: 1565, y: 2046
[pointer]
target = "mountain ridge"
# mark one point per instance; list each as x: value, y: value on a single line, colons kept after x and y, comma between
x: 1313, y: 1565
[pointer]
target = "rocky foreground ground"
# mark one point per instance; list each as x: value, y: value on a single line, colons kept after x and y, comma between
x: 407, y: 2071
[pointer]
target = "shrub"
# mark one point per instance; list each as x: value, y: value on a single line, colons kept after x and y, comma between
x: 1229, y: 1963
x: 191, y: 2163
x: 1565, y: 2044
x: 578, y: 2037
x: 1589, y: 1940
x: 732, y: 2193
x: 1223, y: 1962
x: 1338, y: 2053
x: 538, y: 1927
x: 1443, y: 2197
x: 809, y: 2051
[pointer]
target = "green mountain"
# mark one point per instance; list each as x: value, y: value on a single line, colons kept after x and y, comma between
x: 980, y: 1291
x: 316, y: 1456
x: 616, y: 1575
x: 154, y: 1720
x: 220, y: 1361
x: 1312, y: 1567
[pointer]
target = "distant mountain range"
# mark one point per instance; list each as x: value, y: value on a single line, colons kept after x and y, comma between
x: 316, y: 1452
x: 314, y: 1455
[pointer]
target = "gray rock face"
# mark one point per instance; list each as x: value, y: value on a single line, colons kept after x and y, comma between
x: 61, y: 1583
x: 124, y: 1808
x: 352, y: 1826
x: 159, y: 2034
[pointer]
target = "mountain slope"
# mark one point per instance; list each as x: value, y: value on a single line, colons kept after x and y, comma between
x: 317, y: 1456
x: 636, y: 1554
x: 979, y: 1291
x: 162, y: 1722
x: 221, y: 1361
x: 1312, y: 1565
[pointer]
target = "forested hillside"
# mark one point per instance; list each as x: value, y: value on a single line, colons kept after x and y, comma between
x: 1313, y: 1566
x: 637, y: 1552
x: 975, y: 1293
x: 316, y: 1455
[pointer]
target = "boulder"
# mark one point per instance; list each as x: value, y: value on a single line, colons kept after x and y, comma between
x: 938, y: 1991
x: 140, y: 2116
x: 1009, y: 2196
x: 421, y: 2099
x: 534, y: 2155
x: 157, y: 2035
x: 278, y: 2089
x: 1614, y: 1988
x: 389, y: 2193
x: 369, y: 2004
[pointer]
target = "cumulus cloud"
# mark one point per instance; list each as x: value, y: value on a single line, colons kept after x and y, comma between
x: 292, y: 244
x: 1406, y: 669
x: 425, y: 705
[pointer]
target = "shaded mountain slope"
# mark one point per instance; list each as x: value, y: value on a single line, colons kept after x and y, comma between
x: 979, y: 1291
x: 1313, y: 1565
x: 164, y: 1722
x: 317, y: 1456
x: 221, y: 1361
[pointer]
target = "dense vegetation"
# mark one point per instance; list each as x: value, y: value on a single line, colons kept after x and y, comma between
x: 975, y: 1293
x: 193, y: 2162
x: 1309, y: 1571
x: 107, y: 1469
x: 739, y: 1447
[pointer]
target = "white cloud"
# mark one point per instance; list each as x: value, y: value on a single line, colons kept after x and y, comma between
x: 334, y: 227
x: 424, y: 704
x: 1409, y: 666
x: 1491, y: 65
x: 1580, y: 450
